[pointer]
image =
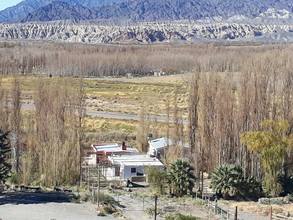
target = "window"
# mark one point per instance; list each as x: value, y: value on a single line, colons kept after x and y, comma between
x: 117, y: 171
x: 133, y: 170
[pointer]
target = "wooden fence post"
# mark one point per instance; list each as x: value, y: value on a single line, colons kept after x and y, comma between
x: 236, y: 213
x: 156, y: 204
x: 271, y: 213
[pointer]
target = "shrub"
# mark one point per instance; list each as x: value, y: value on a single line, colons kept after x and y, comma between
x: 251, y: 188
x: 180, y: 217
x: 151, y: 211
x: 157, y: 179
x: 107, y: 199
x: 228, y: 181
x: 287, y: 184
x: 14, y: 179
x: 109, y: 209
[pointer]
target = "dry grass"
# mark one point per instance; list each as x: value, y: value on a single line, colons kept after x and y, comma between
x: 255, y: 207
x: 127, y: 95
x: 121, y: 95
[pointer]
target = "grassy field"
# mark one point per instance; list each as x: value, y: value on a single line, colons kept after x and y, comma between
x: 122, y: 95
x: 119, y: 95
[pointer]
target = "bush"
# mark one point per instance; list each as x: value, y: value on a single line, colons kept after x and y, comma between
x: 109, y: 209
x: 14, y: 179
x: 107, y: 199
x: 287, y: 184
x: 157, y: 179
x: 228, y: 181
x: 151, y: 211
x: 180, y: 217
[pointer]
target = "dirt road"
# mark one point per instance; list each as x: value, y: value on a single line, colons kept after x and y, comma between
x: 45, y: 206
x: 113, y: 115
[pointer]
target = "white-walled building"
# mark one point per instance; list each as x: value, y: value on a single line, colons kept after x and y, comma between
x: 100, y: 153
x: 127, y: 167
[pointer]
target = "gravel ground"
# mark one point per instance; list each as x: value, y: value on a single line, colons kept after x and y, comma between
x: 45, y: 206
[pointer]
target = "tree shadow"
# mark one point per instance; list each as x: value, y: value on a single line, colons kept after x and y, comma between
x: 17, y: 198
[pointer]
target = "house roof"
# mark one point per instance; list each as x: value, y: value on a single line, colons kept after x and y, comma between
x: 135, y: 160
x: 164, y: 142
x: 113, y: 148
x: 159, y: 143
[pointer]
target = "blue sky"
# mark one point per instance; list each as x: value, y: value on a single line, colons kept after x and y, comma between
x: 7, y: 3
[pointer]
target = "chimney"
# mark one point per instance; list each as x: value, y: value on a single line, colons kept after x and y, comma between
x: 124, y: 147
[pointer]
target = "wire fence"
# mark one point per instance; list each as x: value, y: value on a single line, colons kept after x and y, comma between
x: 228, y: 214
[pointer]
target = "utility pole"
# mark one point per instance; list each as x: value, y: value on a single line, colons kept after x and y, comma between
x: 156, y: 204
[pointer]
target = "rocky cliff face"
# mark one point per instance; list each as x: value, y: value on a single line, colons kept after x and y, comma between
x: 147, y: 32
x: 143, y: 10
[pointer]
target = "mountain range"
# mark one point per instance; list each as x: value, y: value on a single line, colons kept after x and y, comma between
x: 144, y: 10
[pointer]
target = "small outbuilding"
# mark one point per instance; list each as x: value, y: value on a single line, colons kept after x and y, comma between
x: 158, y: 146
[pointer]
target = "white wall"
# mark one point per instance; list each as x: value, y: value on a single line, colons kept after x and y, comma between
x: 91, y: 160
x: 126, y: 171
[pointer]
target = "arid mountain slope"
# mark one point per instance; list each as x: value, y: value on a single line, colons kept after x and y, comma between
x: 146, y: 32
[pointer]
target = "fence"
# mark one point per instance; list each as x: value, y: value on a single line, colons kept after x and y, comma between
x: 280, y: 217
x: 227, y: 214
x: 221, y: 212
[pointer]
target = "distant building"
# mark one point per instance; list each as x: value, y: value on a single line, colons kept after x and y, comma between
x: 101, y: 153
x: 132, y: 167
x: 158, y: 147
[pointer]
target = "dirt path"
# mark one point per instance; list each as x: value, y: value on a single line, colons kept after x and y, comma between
x: 45, y: 206
x: 136, y: 206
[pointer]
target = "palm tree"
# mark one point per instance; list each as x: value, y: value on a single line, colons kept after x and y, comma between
x: 181, y: 178
x: 227, y: 180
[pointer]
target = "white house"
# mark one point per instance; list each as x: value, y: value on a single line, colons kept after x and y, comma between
x: 100, y: 153
x: 129, y: 167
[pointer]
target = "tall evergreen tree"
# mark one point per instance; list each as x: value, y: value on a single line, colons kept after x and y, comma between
x: 5, y: 151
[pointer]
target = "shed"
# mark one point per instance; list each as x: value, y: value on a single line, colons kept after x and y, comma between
x: 158, y: 146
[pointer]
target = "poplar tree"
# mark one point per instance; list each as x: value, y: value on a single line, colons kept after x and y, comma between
x: 5, y: 149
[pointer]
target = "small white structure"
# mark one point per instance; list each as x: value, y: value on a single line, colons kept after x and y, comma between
x: 100, y: 153
x: 127, y: 167
x: 158, y: 146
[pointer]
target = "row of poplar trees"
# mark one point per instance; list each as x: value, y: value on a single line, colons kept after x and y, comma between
x: 234, y: 116
x: 45, y: 136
